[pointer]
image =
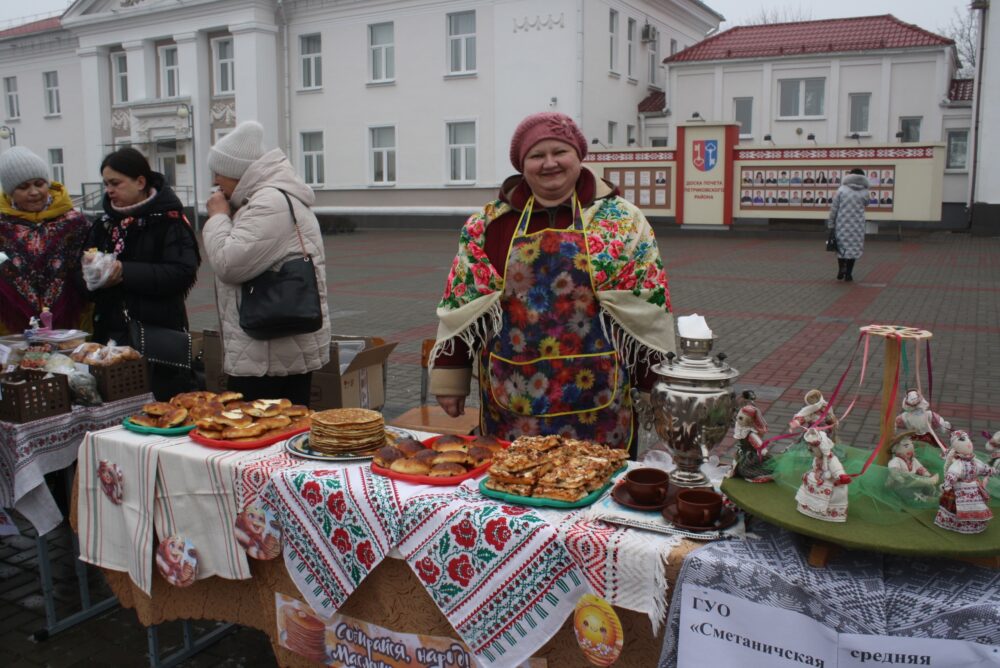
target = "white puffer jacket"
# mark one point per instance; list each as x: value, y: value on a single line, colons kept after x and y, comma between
x: 261, y: 235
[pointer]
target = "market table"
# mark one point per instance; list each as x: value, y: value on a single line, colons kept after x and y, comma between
x: 30, y: 450
x: 176, y: 487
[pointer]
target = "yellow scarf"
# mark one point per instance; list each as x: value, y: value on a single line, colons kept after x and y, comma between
x: 61, y: 203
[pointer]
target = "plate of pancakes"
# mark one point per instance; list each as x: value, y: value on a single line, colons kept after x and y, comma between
x: 439, y: 460
x: 300, y: 446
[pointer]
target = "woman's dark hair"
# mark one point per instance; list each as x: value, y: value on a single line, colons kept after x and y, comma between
x: 857, y: 171
x: 129, y: 162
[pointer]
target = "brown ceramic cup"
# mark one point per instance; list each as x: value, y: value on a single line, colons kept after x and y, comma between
x: 647, y: 485
x: 698, y: 507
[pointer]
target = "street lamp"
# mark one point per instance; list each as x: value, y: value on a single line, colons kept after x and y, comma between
x: 7, y: 132
x: 186, y: 111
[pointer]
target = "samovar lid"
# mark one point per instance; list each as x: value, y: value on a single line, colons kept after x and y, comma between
x: 695, y: 364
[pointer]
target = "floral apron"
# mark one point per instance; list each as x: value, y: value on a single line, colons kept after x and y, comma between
x: 552, y: 369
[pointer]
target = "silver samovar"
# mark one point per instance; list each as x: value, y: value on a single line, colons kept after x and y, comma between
x: 692, y: 405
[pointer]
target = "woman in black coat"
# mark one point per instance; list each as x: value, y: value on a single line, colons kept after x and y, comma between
x: 157, y: 259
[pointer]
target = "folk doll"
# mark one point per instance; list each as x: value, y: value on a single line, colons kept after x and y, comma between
x: 963, y: 505
x: 919, y: 419
x: 823, y: 492
x: 753, y: 464
x: 993, y: 448
x: 809, y: 414
x: 908, y: 478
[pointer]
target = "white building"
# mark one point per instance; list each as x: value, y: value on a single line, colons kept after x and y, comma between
x: 386, y: 106
x: 870, y: 80
x: 985, y: 175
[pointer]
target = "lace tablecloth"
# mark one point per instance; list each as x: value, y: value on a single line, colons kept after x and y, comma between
x: 30, y: 450
x: 857, y: 592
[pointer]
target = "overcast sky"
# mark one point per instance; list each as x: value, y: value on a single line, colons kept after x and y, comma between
x: 929, y: 14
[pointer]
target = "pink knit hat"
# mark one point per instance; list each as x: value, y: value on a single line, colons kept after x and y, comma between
x: 541, y: 126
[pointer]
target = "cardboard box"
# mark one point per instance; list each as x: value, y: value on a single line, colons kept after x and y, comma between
x: 360, y: 385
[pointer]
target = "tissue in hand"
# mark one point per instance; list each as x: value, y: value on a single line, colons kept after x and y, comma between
x: 693, y: 327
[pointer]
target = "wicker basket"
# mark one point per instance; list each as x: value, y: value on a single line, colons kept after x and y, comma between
x: 38, y: 398
x: 121, y: 380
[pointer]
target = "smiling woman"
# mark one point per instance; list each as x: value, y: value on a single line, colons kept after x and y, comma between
x: 559, y: 293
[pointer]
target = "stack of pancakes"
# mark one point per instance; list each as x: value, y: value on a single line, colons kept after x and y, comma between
x: 347, y: 431
x: 305, y: 634
x: 553, y: 467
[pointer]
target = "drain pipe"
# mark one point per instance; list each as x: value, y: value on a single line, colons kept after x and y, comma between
x: 288, y: 83
x: 983, y: 7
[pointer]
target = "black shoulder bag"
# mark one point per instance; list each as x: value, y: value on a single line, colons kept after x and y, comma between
x: 283, y: 302
x: 831, y: 241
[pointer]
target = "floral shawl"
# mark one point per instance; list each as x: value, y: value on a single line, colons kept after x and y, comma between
x: 625, y: 267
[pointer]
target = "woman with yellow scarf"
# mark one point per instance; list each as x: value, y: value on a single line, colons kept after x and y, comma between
x: 42, y: 236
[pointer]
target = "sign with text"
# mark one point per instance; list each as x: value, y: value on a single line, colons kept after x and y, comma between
x: 706, y: 173
x: 720, y: 629
x: 345, y: 641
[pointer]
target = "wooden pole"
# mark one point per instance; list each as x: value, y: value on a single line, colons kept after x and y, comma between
x: 893, y: 345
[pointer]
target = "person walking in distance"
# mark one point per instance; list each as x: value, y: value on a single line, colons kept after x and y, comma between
x: 847, y: 219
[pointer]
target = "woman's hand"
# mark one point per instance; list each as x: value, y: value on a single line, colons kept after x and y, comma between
x: 217, y: 204
x: 452, y: 405
x: 116, y: 276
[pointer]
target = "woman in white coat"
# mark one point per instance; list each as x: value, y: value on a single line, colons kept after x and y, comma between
x: 250, y: 229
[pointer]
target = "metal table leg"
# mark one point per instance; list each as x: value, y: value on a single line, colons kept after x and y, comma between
x: 192, y: 643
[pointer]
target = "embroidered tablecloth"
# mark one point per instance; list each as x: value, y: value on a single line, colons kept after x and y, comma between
x: 31, y: 449
x: 857, y: 592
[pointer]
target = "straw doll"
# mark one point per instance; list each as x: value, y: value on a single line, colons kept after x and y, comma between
x: 907, y: 477
x: 808, y: 414
x: 963, y: 505
x: 823, y: 492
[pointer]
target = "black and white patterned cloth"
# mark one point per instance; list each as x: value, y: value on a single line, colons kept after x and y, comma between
x: 857, y: 592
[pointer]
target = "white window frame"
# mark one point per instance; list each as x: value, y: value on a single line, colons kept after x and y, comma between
x: 313, y: 160
x: 167, y: 70
x: 745, y: 132
x: 653, y: 47
x: 385, y: 152
x: 659, y: 142
x: 673, y: 46
x: 466, y: 42
x: 851, y: 99
x: 13, y: 102
x: 385, y: 54
x: 612, y: 132
x: 630, y: 32
x: 221, y: 65
x: 800, y: 108
x: 58, y: 167
x: 466, y: 160
x: 920, y: 122
x: 50, y: 86
x: 119, y: 76
x: 613, y: 40
x: 948, y: 166
x: 219, y: 133
x: 311, y: 63
x: 630, y: 138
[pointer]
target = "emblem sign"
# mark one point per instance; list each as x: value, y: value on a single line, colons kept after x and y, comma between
x: 705, y: 154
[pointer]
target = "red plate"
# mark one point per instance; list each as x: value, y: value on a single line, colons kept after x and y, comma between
x: 244, y: 445
x: 450, y: 481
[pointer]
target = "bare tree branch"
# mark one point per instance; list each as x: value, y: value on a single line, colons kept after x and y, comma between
x: 786, y: 14
x: 964, y: 29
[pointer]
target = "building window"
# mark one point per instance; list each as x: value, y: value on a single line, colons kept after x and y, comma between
x: 653, y: 45
x: 612, y: 131
x: 119, y: 74
x: 613, y: 39
x: 958, y: 149
x: 630, y: 135
x: 310, y: 47
x: 224, y: 66
x: 630, y: 37
x: 10, y: 94
x: 50, y: 81
x: 658, y: 141
x: 859, y: 103
x: 312, y: 158
x: 801, y: 97
x: 743, y: 114
x: 383, y: 155
x: 170, y: 79
x: 673, y: 46
x: 910, y: 127
x: 382, y: 52
x: 462, y: 42
x: 56, y: 162
x: 462, y: 152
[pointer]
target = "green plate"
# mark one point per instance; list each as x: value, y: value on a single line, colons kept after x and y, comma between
x: 159, y: 431
x: 548, y: 503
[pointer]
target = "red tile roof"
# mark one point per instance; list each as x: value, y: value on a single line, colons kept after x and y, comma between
x: 960, y: 90
x: 862, y: 33
x: 653, y: 103
x: 44, y: 25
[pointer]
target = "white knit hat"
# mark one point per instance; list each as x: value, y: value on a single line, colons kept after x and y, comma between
x: 234, y: 153
x: 18, y: 165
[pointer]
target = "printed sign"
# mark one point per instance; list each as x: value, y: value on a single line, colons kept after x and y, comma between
x: 345, y: 641
x: 723, y: 630
x: 704, y: 154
